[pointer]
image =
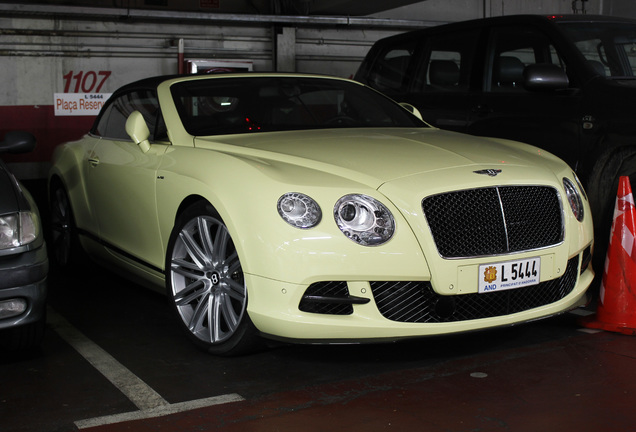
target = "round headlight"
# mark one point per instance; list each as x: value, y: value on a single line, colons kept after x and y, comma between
x: 364, y: 220
x: 299, y: 210
x: 574, y: 198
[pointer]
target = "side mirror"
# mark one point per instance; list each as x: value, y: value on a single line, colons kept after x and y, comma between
x: 545, y: 77
x: 17, y: 142
x: 410, y: 108
x: 137, y: 129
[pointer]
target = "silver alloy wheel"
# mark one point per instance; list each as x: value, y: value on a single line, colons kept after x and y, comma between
x: 61, y: 226
x: 207, y: 284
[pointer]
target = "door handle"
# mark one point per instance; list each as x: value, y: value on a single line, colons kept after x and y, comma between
x: 93, y: 162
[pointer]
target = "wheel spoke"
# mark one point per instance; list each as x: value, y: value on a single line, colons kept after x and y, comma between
x: 186, y: 268
x: 206, y: 240
x: 200, y: 314
x: 190, y: 293
x: 60, y: 206
x: 57, y: 227
x: 223, y: 318
x: 215, y: 318
x: 233, y: 264
x: 61, y: 243
x: 221, y: 242
x: 193, y: 249
x: 236, y: 290
x: 227, y: 313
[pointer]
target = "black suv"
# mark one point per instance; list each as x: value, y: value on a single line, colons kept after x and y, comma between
x: 566, y: 84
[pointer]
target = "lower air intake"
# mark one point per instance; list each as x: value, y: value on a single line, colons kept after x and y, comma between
x: 416, y: 302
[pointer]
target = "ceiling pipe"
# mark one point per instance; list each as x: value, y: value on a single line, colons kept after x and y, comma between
x: 119, y: 14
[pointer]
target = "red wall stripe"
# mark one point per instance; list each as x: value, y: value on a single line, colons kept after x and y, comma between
x: 49, y: 130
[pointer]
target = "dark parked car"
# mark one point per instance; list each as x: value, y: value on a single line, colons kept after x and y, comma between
x: 563, y: 83
x: 23, y: 258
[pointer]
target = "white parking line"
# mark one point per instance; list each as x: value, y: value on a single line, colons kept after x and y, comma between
x: 157, y: 412
x: 139, y: 393
x: 150, y: 403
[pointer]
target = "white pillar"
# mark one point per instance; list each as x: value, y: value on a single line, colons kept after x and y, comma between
x: 285, y: 46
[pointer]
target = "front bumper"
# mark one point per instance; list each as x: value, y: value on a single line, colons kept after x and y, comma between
x: 23, y: 280
x: 274, y: 308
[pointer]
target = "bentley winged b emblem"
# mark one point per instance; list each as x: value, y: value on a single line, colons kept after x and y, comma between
x: 488, y: 172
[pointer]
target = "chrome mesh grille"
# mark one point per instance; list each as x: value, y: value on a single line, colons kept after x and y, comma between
x: 416, y: 302
x: 493, y: 221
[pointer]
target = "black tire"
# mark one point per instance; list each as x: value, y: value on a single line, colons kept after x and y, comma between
x: 64, y: 247
x: 205, y: 284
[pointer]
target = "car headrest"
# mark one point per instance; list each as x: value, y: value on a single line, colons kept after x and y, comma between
x: 443, y: 73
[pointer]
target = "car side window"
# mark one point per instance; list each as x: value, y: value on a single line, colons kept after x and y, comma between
x: 449, y: 62
x: 595, y: 55
x: 389, y: 72
x: 512, y: 49
x: 112, y: 121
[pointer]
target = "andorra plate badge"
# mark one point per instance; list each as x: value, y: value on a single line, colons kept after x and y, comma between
x: 490, y: 274
x: 509, y: 275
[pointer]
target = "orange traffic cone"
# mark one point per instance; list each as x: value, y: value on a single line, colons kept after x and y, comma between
x: 616, y: 309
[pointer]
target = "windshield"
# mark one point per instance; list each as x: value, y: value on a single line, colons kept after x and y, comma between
x: 234, y: 105
x: 609, y: 47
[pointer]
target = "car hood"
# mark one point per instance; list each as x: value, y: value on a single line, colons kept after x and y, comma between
x: 376, y: 156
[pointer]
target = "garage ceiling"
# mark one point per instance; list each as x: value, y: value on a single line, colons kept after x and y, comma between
x: 267, y: 7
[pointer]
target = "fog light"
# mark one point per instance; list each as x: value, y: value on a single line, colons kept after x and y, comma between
x: 11, y: 308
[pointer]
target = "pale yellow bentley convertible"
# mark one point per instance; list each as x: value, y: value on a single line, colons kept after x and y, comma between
x: 314, y: 209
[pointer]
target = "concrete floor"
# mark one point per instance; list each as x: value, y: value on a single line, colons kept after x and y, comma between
x: 583, y: 383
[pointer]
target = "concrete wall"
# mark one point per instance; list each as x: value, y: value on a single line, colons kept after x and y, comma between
x: 625, y: 8
x: 459, y: 10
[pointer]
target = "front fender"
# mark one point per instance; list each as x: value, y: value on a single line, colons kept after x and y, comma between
x: 69, y: 164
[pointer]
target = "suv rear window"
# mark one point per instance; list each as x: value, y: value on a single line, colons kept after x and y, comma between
x: 449, y: 61
x: 608, y: 47
x: 389, y: 72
